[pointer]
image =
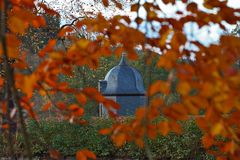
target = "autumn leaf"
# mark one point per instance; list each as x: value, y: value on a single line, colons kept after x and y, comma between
x: 184, y: 88
x: 16, y: 25
x: 207, y: 141
x: 139, y: 142
x: 119, y: 139
x: 110, y: 103
x: 163, y: 128
x: 61, y: 105
x: 5, y: 126
x: 46, y: 106
x: 217, y: 128
x: 27, y: 83
x: 54, y: 154
x: 80, y: 156
x: 1, y: 82
x: 89, y: 154
x: 164, y: 37
x: 134, y: 8
x: 81, y: 98
x: 169, y: 1
x: 4, y: 107
x: 85, y: 154
x: 140, y: 113
x: 105, y: 3
x: 48, y: 10
x: 230, y: 147
x: 192, y: 7
x: 158, y: 86
x: 118, y: 5
x: 105, y: 131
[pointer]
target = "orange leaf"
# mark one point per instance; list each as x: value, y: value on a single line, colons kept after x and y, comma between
x: 158, y: 86
x: 230, y: 147
x: 81, y: 98
x: 140, y: 113
x: 105, y: 131
x: 169, y: 1
x: 47, y: 9
x: 207, y: 141
x: 1, y: 82
x: 61, y: 105
x: 73, y: 107
x: 183, y: 88
x: 80, y: 156
x: 139, y: 142
x: 46, y: 107
x: 5, y: 126
x: 134, y: 8
x: 4, y: 107
x: 163, y: 128
x: 54, y: 154
x: 164, y: 36
x: 175, y: 127
x: 105, y: 3
x: 119, y: 139
x: 89, y: 154
x: 110, y: 103
x: 16, y: 25
x: 192, y: 7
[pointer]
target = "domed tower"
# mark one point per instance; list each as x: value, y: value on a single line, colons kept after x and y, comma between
x: 123, y: 84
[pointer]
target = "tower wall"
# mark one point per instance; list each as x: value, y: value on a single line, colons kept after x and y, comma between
x: 128, y: 104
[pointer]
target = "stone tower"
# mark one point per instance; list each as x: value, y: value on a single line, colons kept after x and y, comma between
x: 123, y: 84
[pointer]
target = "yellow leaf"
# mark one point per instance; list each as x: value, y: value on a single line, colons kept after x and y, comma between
x: 217, y: 128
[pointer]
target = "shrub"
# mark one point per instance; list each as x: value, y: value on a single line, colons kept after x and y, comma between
x: 69, y: 138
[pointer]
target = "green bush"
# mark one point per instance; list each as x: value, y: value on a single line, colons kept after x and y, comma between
x: 69, y: 138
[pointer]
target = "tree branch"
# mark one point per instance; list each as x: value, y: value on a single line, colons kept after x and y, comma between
x: 10, y: 79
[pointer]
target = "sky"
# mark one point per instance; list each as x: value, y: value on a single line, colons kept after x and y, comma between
x: 205, y: 35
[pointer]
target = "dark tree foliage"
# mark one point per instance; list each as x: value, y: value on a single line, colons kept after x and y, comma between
x: 36, y: 38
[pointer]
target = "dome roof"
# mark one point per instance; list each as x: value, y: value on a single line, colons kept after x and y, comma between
x: 124, y: 80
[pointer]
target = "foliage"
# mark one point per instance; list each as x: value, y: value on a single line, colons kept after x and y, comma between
x: 206, y: 84
x: 67, y: 138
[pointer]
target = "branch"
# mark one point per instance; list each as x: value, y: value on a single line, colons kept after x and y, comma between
x: 70, y: 24
x: 10, y: 79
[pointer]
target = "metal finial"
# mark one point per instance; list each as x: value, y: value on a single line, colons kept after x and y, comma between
x: 123, y: 60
